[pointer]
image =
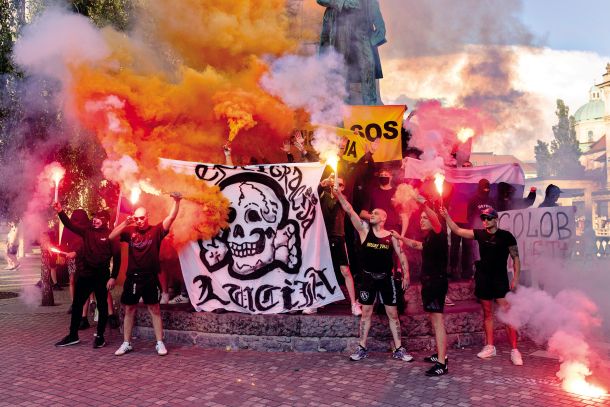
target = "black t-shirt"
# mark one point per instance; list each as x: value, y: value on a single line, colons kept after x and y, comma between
x: 382, y: 199
x: 434, y: 256
x: 144, y: 248
x: 376, y: 253
x: 333, y: 213
x: 493, y: 249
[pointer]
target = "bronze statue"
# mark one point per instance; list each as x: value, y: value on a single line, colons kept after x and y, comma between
x: 355, y: 28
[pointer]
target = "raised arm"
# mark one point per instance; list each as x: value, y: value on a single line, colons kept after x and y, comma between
x: 465, y: 233
x: 406, y: 277
x: 167, y: 222
x: 514, y: 254
x: 116, y: 232
x: 434, y: 220
x: 353, y: 216
x: 67, y: 222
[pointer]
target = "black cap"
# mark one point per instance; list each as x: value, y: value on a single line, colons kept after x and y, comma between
x: 489, y: 211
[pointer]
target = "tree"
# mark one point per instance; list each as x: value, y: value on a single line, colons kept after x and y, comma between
x: 116, y: 13
x: 565, y: 150
x: 562, y: 158
x: 543, y: 159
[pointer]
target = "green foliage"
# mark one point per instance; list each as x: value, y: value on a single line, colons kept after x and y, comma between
x: 562, y: 158
x: 543, y: 159
x: 115, y: 13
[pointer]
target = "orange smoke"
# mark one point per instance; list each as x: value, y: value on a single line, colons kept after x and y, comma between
x: 185, y: 96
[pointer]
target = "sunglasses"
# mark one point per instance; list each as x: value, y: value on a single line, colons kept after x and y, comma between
x: 487, y: 218
x: 139, y: 217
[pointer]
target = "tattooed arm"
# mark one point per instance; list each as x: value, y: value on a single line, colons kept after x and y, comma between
x: 406, y: 278
x: 360, y: 226
x: 514, y: 254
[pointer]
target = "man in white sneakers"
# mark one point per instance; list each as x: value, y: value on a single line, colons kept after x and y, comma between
x: 491, y: 277
x: 140, y: 246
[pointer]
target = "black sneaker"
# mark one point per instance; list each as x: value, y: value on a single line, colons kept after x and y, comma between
x: 98, y: 342
x: 432, y: 358
x: 57, y: 287
x: 84, y: 324
x: 113, y: 321
x: 438, y: 369
x: 68, y: 340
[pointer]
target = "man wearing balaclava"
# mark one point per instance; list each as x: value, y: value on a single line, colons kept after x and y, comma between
x: 92, y: 274
x: 380, y: 196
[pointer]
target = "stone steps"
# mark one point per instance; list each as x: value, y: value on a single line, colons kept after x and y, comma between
x: 332, y: 329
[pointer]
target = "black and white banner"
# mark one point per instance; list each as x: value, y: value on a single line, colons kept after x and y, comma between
x: 274, y: 257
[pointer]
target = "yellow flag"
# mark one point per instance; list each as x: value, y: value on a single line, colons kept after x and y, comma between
x: 366, y: 124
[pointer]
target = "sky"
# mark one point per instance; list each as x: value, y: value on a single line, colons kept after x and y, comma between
x: 561, y: 47
x: 570, y: 25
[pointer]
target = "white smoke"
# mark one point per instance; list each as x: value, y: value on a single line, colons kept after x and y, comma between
x: 74, y: 39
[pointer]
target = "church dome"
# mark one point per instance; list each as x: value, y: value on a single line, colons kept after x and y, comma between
x: 591, y: 111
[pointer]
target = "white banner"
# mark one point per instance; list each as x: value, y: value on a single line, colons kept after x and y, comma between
x: 275, y: 255
x: 541, y: 233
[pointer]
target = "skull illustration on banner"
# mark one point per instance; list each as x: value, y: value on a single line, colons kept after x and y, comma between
x: 274, y: 256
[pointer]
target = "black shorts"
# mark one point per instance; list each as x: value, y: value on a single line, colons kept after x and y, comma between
x: 338, y: 252
x: 490, y: 286
x: 12, y: 249
x: 370, y: 287
x: 433, y: 293
x: 145, y: 287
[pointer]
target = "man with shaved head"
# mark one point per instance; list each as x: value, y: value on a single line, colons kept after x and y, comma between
x: 377, y: 261
x: 140, y: 244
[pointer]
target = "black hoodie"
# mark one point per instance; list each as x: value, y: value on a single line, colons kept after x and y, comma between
x: 97, y: 248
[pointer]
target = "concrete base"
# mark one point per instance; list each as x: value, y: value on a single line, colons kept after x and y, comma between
x: 332, y: 329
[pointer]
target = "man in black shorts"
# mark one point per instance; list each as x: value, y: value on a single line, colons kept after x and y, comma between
x: 140, y: 246
x: 434, y: 283
x: 491, y: 277
x: 377, y: 248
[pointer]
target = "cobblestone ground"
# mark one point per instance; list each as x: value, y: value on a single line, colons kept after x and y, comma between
x: 34, y: 372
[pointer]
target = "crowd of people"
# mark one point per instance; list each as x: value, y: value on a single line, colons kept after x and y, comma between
x: 377, y: 247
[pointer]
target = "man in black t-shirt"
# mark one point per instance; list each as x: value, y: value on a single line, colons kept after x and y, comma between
x: 434, y: 284
x: 140, y: 244
x: 334, y: 219
x: 491, y: 278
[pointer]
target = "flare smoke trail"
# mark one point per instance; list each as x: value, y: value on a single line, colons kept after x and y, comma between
x: 170, y: 90
x: 466, y: 50
x: 565, y: 322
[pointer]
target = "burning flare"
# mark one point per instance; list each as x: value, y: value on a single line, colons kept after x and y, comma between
x: 465, y: 134
x: 439, y: 180
x: 573, y: 374
x: 135, y: 195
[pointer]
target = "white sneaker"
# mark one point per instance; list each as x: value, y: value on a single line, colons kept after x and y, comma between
x: 515, y: 357
x: 310, y: 311
x: 487, y: 352
x: 164, y: 298
x: 123, y: 349
x: 179, y: 299
x: 161, y: 349
x: 356, y: 309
